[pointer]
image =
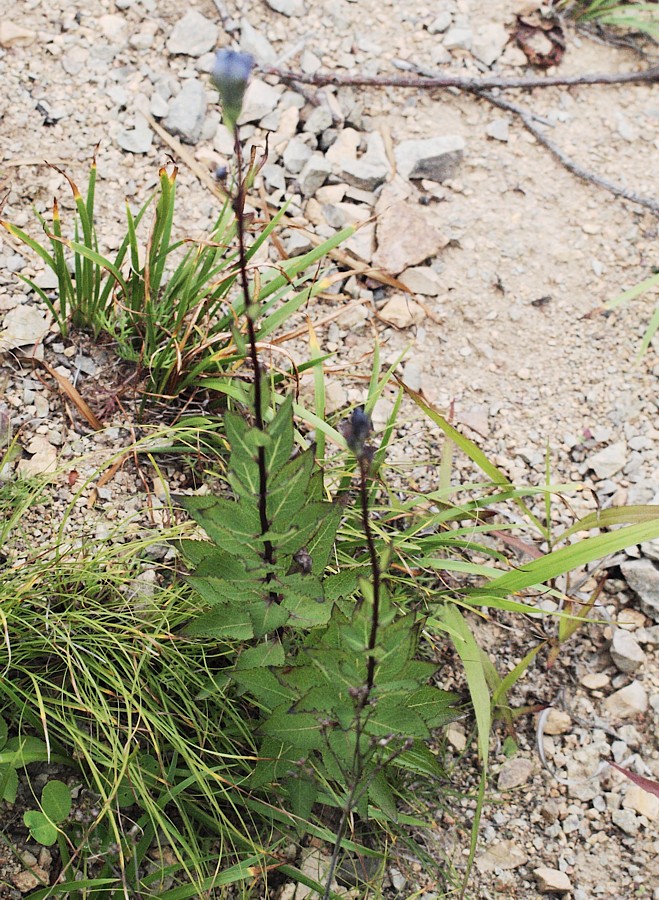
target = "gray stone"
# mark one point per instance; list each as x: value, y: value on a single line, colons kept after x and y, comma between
x: 296, y: 154
x: 626, y: 652
x: 504, y: 855
x: 552, y: 881
x: 643, y: 578
x: 287, y: 7
x: 256, y: 44
x: 405, y: 238
x: 314, y: 174
x: 625, y: 820
x: 187, y: 111
x: 458, y: 38
x: 23, y: 325
x: 610, y: 460
x: 441, y: 22
x: 434, y: 158
x: 514, y: 772
x: 261, y: 98
x: 489, y: 42
x: 193, y: 35
x: 650, y: 549
x: 629, y: 701
x: 158, y: 106
x: 402, y: 312
x: 137, y: 139
x: 422, y: 280
x: 274, y: 177
x: 371, y: 170
x: 319, y: 120
x: 498, y: 129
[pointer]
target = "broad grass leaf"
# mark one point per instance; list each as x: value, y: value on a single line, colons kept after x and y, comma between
x: 470, y: 654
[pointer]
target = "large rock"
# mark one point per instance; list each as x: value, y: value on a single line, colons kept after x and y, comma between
x: 256, y: 44
x: 138, y: 139
x: 405, y: 237
x: 552, y: 881
x: 435, y: 158
x: 193, y: 35
x: 643, y: 578
x: 187, y: 111
x: 610, y: 460
x: 287, y: 7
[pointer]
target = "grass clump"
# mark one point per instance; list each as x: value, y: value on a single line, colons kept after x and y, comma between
x: 631, y: 16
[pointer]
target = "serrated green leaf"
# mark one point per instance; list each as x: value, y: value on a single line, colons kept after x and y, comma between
x: 421, y: 760
x: 299, y: 729
x: 276, y: 759
x: 223, y: 622
x: 230, y: 524
x: 341, y: 584
x: 433, y: 705
x: 301, y: 533
x: 302, y: 791
x: 242, y: 462
x: 320, y: 546
x: 381, y: 795
x: 389, y: 717
x: 287, y: 493
x: 42, y: 830
x: 194, y: 552
x: 267, y: 617
x: 56, y: 800
x: 267, y: 653
x: 264, y: 687
x: 281, y: 431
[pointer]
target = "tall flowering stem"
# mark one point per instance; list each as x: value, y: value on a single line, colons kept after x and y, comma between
x: 230, y: 76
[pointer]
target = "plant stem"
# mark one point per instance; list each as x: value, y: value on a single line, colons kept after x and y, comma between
x: 364, y: 464
x: 239, y: 209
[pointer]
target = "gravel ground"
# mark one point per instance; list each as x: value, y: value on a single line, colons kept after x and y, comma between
x: 509, y: 259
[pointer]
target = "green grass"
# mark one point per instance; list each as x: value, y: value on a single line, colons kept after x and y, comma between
x: 643, y: 17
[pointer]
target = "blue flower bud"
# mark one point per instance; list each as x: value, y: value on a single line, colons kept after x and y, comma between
x: 356, y: 431
x: 230, y: 76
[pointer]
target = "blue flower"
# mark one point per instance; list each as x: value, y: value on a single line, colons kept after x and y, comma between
x: 230, y: 76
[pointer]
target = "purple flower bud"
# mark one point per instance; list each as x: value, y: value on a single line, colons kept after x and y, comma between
x: 230, y: 76
x: 357, y: 430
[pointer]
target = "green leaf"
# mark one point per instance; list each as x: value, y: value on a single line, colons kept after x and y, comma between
x: 56, y: 800
x: 275, y: 759
x: 421, y: 760
x: 302, y: 791
x: 469, y: 652
x: 264, y: 687
x: 243, y: 456
x: 268, y: 653
x: 267, y: 617
x: 8, y: 783
x: 433, y: 705
x: 3, y: 733
x: 232, y: 526
x: 280, y: 430
x: 223, y: 622
x: 287, y: 492
x: 381, y: 795
x: 390, y: 717
x: 20, y: 751
x: 341, y: 584
x: 42, y: 830
x: 299, y: 729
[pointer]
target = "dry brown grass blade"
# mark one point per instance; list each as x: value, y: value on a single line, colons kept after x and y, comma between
x: 73, y: 395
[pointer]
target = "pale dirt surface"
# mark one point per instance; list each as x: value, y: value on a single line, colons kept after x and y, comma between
x: 522, y: 374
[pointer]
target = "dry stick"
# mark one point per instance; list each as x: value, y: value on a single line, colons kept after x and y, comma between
x: 460, y: 82
x: 527, y: 120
